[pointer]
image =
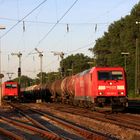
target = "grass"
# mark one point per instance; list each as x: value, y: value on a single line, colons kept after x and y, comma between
x: 133, y: 95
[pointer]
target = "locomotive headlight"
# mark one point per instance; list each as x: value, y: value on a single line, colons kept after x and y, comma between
x: 120, y: 87
x: 101, y: 93
x: 121, y: 93
x: 101, y: 87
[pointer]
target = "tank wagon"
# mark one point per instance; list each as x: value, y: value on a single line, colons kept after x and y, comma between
x: 98, y: 86
x: 35, y: 93
x: 10, y: 90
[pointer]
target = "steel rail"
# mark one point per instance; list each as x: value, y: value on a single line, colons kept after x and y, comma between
x: 77, y: 130
x: 21, y: 110
x: 103, y: 118
x: 88, y: 135
x: 32, y: 128
x: 36, y: 123
x: 10, y: 134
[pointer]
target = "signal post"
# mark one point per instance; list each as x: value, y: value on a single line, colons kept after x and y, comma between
x: 1, y: 76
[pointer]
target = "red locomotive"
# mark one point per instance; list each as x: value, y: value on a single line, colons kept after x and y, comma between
x: 99, y: 86
x: 10, y: 90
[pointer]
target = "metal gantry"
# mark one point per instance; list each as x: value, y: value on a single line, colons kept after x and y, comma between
x: 61, y: 55
x: 40, y: 56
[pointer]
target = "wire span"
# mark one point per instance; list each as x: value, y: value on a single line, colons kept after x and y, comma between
x: 22, y: 19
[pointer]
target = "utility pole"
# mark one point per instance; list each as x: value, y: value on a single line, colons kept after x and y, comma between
x: 1, y: 28
x: 137, y: 65
x: 41, y: 56
x: 19, y: 54
x: 125, y: 54
x: 1, y: 75
x: 61, y: 54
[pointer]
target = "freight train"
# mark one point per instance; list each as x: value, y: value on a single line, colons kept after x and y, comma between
x: 10, y: 90
x: 96, y: 87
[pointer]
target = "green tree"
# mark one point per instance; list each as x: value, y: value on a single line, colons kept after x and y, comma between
x: 44, y: 77
x: 52, y: 76
x: 24, y: 80
x: 75, y: 63
x: 120, y: 37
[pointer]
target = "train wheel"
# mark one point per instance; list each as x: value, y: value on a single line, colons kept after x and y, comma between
x: 86, y: 104
x: 75, y: 103
x: 81, y: 103
x: 92, y: 106
x: 118, y: 108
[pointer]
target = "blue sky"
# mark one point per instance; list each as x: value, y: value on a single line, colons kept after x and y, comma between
x: 82, y: 19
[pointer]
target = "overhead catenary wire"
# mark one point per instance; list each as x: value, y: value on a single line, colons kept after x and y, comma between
x: 44, y: 22
x: 51, y: 29
x: 56, y: 23
x: 111, y: 10
x: 72, y: 51
x: 60, y: 23
x: 85, y: 46
x: 18, y: 9
x: 22, y: 19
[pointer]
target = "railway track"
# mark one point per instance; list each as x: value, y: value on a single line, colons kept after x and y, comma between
x: 63, y: 128
x: 14, y: 126
x: 129, y: 120
x: 26, y: 131
x: 127, y: 124
x: 18, y: 130
x: 58, y: 121
x: 8, y: 134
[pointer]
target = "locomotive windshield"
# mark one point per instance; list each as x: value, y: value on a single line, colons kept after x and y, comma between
x: 110, y: 75
x: 10, y: 86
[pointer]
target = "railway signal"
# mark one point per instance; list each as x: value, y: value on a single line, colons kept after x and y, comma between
x: 10, y: 75
x: 19, y: 54
x: 61, y: 54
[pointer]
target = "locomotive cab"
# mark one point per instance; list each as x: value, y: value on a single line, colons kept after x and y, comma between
x: 110, y: 87
x: 10, y: 90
